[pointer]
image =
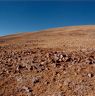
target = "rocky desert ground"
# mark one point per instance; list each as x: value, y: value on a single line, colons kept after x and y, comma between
x: 52, y: 62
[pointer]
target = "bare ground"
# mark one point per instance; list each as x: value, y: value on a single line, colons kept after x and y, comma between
x: 53, y: 62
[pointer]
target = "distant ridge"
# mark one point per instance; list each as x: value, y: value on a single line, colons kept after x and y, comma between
x: 66, y: 38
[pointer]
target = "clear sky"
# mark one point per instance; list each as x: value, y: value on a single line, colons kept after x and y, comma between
x: 28, y: 16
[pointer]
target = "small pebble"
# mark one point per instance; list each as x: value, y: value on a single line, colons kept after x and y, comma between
x: 90, y: 75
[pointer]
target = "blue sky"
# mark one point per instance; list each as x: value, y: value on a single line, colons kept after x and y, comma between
x: 28, y: 16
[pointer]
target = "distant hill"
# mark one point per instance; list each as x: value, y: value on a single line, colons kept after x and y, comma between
x: 66, y: 38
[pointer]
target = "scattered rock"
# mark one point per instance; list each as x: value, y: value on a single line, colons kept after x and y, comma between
x: 35, y: 80
x: 47, y: 70
x: 90, y: 75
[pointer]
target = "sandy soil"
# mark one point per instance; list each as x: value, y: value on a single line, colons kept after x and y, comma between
x: 53, y: 62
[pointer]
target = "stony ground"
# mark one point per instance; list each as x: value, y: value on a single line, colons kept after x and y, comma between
x: 56, y: 62
x: 47, y: 72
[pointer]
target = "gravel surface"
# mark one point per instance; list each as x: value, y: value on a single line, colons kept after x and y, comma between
x: 47, y: 72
